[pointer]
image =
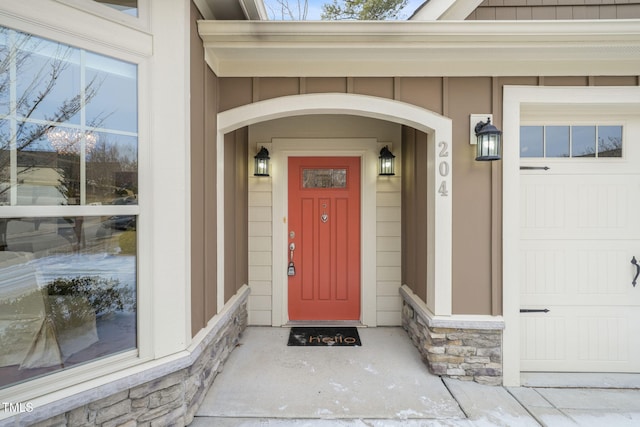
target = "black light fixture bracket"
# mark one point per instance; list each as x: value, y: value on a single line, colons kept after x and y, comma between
x: 487, y: 140
x: 261, y: 167
x: 386, y: 162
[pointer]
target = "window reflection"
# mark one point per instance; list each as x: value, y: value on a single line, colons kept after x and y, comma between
x: 557, y: 141
x: 114, y: 106
x: 609, y: 141
x: 68, y: 136
x: 571, y: 141
x: 47, y: 79
x: 112, y: 170
x: 67, y: 292
x: 71, y: 138
x: 130, y: 7
x: 583, y: 141
x: 531, y: 141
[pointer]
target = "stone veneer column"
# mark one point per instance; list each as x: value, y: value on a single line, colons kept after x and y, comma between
x: 465, y: 351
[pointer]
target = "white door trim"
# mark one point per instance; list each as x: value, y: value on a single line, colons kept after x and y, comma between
x: 439, y: 135
x: 282, y: 149
x: 514, y: 98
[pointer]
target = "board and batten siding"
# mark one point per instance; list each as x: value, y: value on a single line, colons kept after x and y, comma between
x: 496, y: 10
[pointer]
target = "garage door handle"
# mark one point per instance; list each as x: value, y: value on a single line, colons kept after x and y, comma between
x: 635, y: 262
x: 534, y: 310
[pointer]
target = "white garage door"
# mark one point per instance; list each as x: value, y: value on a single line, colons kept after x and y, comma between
x: 580, y: 229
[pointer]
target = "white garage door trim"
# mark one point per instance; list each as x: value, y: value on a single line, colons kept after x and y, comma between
x: 515, y: 98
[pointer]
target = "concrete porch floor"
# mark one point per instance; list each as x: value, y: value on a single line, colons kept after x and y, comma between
x: 384, y: 383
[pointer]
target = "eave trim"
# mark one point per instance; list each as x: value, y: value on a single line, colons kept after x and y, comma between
x: 417, y: 48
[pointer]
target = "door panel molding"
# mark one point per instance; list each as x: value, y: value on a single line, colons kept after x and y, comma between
x: 324, y: 225
x: 519, y: 104
x: 367, y: 150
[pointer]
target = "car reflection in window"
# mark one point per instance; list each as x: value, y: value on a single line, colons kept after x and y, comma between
x: 122, y: 222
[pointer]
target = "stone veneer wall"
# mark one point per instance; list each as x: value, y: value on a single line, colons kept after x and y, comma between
x: 467, y: 350
x: 170, y: 399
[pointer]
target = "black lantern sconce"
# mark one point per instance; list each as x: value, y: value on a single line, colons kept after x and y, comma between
x: 386, y: 162
x: 261, y: 167
x: 487, y: 139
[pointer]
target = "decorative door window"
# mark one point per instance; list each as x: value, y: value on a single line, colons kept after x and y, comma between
x: 324, y: 178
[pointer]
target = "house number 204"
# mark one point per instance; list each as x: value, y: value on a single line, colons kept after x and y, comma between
x: 443, y: 168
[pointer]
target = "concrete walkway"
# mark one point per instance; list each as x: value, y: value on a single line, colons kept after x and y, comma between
x: 384, y: 383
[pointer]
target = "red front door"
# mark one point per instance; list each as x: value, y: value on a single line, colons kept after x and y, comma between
x: 324, y: 226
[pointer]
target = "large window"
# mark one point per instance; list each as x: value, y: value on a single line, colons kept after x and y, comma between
x: 68, y: 139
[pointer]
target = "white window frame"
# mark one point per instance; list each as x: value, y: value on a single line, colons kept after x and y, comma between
x: 571, y: 124
x: 50, y: 384
x: 141, y: 22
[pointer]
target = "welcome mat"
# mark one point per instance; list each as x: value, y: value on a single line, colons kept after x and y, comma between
x: 324, y: 336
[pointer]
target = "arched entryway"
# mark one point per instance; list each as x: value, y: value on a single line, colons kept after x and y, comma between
x: 438, y: 130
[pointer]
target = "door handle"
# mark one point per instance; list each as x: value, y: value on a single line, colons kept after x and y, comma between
x: 291, y: 270
x: 635, y: 262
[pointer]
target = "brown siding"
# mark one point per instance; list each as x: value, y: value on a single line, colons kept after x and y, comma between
x: 235, y: 91
x: 616, y: 81
x: 267, y: 88
x: 374, y: 86
x: 425, y: 92
x: 477, y: 194
x: 235, y: 212
x: 210, y: 203
x: 490, y: 10
x: 414, y: 211
x: 326, y: 85
x: 565, y: 81
x: 472, y: 199
x: 197, y: 177
x: 203, y: 184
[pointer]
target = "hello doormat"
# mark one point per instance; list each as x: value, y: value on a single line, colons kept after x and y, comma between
x: 324, y: 336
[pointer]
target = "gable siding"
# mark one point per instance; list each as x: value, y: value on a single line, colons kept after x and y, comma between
x: 498, y: 10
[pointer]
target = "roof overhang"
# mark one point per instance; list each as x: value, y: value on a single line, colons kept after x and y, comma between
x: 445, y: 10
x: 416, y: 48
x: 231, y: 9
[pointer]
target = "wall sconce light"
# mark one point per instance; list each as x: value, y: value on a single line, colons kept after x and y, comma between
x: 487, y: 138
x: 261, y: 163
x: 386, y: 162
